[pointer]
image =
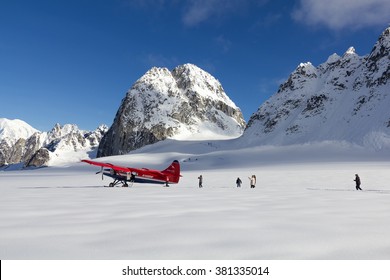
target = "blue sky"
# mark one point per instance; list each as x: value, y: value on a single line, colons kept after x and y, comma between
x: 72, y: 61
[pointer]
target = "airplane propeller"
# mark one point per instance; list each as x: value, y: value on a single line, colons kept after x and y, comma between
x: 101, y: 171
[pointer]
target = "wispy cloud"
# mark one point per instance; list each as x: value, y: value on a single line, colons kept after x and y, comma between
x: 195, y: 12
x: 223, y: 43
x: 160, y: 60
x: 200, y: 11
x: 342, y: 14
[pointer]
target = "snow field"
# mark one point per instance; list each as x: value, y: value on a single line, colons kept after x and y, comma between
x: 297, y: 211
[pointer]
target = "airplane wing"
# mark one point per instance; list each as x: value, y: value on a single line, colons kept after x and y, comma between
x: 102, y: 164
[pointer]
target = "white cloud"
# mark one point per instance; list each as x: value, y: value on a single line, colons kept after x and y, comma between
x: 341, y: 14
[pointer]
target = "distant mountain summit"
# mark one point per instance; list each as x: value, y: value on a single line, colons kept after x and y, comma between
x: 185, y: 103
x: 347, y: 98
x: 22, y: 144
x: 12, y: 130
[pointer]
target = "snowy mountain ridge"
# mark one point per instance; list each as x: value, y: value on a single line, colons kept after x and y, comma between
x: 12, y: 130
x: 347, y: 98
x: 21, y: 144
x: 185, y: 103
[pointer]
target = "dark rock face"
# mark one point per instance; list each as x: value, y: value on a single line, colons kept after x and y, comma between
x: 163, y: 104
x: 33, y: 144
x: 40, y: 158
x: 5, y: 151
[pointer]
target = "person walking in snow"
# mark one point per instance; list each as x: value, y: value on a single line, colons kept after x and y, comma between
x: 238, y: 182
x: 200, y: 178
x: 252, y: 181
x: 358, y: 182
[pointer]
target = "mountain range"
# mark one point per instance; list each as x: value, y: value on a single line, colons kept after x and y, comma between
x: 344, y: 99
x: 22, y: 144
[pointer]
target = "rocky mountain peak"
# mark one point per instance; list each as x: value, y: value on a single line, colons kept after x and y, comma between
x: 332, y: 59
x: 191, y: 78
x: 306, y: 69
x: 382, y: 46
x: 378, y: 60
x: 182, y: 103
x: 350, y: 52
x: 344, y: 99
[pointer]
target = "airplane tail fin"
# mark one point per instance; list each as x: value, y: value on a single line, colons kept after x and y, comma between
x: 173, y: 172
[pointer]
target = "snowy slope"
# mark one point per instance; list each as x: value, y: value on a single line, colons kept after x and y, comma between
x: 304, y: 206
x: 68, y: 144
x: 346, y: 98
x: 12, y: 130
x: 185, y: 103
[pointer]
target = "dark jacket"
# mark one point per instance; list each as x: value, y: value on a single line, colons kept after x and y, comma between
x: 357, y: 180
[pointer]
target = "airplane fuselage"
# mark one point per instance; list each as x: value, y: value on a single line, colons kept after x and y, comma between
x: 120, y: 174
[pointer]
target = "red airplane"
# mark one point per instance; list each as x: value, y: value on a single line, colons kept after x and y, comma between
x: 121, y: 174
